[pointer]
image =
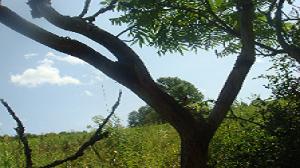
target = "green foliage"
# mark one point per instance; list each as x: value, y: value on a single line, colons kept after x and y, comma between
x: 236, y: 137
x: 179, y: 88
x: 200, y: 108
x: 113, y: 123
x: 177, y: 26
x: 286, y: 81
x: 182, y: 91
x: 46, y: 148
x: 265, y: 133
x: 151, y: 146
x: 252, y: 136
x: 258, y: 136
x: 282, y: 127
x: 283, y: 113
x: 271, y: 136
x: 144, y: 116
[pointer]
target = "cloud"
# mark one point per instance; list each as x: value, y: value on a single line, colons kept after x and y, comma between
x: 88, y: 93
x: 27, y: 56
x: 99, y: 76
x: 69, y: 59
x: 0, y: 124
x: 259, y: 60
x: 44, y: 73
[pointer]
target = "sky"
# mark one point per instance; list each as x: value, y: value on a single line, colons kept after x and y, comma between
x: 53, y: 92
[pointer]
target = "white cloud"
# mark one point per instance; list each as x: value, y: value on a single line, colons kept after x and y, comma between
x: 69, y: 59
x: 0, y: 124
x: 46, y: 62
x: 27, y: 56
x: 88, y: 93
x: 259, y: 60
x: 99, y: 78
x: 44, y: 73
x: 99, y: 75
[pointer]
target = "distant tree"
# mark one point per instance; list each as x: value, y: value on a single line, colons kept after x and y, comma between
x: 133, y: 119
x: 241, y: 27
x: 182, y: 91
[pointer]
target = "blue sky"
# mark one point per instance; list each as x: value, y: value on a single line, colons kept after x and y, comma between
x: 54, y: 92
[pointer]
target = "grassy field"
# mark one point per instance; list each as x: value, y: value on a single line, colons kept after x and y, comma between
x: 237, y: 143
x: 149, y: 146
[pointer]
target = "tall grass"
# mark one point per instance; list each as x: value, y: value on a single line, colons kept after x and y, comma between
x: 236, y: 143
x: 149, y: 146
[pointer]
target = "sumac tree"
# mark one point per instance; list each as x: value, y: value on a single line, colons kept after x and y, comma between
x: 171, y: 26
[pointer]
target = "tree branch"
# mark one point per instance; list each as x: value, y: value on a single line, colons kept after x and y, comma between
x: 124, y: 31
x: 102, y: 10
x: 292, y: 50
x: 118, y: 48
x: 85, y: 8
x: 240, y: 70
x: 96, y: 137
x: 129, y: 70
x: 20, y: 131
x: 65, y: 45
x: 227, y: 29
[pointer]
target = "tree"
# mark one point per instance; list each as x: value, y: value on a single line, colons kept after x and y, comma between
x: 198, y: 24
x: 182, y: 91
x: 133, y: 119
x: 144, y: 116
x: 174, y: 26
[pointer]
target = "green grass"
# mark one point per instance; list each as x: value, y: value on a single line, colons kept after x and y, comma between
x: 236, y: 143
x: 149, y: 146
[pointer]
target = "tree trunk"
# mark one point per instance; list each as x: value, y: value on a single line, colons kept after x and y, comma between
x: 194, y: 149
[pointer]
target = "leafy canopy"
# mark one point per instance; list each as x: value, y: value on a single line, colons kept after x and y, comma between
x: 179, y: 25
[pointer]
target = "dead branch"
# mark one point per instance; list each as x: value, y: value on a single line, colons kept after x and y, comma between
x: 85, y: 8
x: 102, y: 10
x: 20, y: 131
x: 96, y: 137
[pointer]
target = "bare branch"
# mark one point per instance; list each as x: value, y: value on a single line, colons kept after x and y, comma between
x: 20, y: 131
x: 102, y: 10
x: 124, y: 31
x: 85, y: 8
x: 114, y: 107
x: 239, y: 118
x: 96, y: 137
